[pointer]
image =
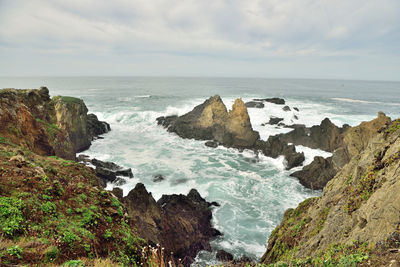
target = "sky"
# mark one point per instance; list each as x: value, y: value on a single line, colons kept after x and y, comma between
x: 319, y: 39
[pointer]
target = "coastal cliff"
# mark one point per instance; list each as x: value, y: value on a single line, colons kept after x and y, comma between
x: 356, y: 218
x: 54, y: 210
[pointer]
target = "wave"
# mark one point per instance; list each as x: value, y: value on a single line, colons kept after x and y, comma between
x: 350, y: 100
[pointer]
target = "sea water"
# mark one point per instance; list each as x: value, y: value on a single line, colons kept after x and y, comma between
x: 253, y: 190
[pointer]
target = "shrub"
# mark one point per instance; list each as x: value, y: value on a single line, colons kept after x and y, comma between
x: 15, y: 251
x: 11, y: 216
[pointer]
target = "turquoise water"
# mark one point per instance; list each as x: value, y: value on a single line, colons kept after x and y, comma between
x: 253, y: 191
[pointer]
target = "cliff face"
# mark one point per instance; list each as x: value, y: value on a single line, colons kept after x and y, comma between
x: 358, y: 211
x: 57, y: 126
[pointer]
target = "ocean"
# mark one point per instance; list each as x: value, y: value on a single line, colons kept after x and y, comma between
x: 254, y: 191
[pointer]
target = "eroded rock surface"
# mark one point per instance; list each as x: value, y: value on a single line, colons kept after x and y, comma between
x: 181, y: 224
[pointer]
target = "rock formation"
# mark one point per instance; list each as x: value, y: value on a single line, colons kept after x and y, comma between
x: 212, y: 121
x: 57, y: 126
x: 358, y: 212
x: 274, y: 100
x: 181, y: 224
x: 254, y: 104
x: 344, y: 142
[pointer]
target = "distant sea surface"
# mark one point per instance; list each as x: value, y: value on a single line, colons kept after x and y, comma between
x: 253, y: 191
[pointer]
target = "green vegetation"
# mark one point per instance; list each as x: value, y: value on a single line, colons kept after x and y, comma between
x: 67, y: 99
x: 46, y: 218
x: 11, y: 217
x: 393, y: 127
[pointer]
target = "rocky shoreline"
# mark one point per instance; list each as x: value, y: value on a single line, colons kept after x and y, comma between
x: 46, y: 194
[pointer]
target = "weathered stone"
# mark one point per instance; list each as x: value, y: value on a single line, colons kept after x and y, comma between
x: 286, y: 108
x: 224, y: 256
x: 275, y: 120
x: 274, y: 100
x: 254, y: 104
x: 317, y: 174
x: 211, y: 144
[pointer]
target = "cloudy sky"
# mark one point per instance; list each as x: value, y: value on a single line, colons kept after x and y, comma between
x: 350, y: 39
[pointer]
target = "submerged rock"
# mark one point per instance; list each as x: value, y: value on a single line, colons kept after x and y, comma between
x: 158, y: 178
x: 254, y: 104
x: 286, y: 108
x: 212, y: 121
x: 274, y: 100
x: 274, y: 120
x: 181, y: 224
x: 211, y: 144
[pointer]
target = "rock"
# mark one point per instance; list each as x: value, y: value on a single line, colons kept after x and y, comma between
x: 244, y: 261
x: 275, y: 120
x: 295, y: 108
x: 83, y: 158
x: 96, y: 127
x: 361, y: 202
x: 274, y: 147
x: 125, y: 172
x: 325, y: 136
x: 295, y: 117
x: 118, y: 192
x: 181, y: 224
x: 119, y: 181
x: 317, y: 174
x: 212, y: 121
x: 106, y: 174
x: 274, y: 100
x: 224, y: 256
x: 254, y: 104
x: 286, y: 108
x: 211, y: 144
x: 158, y: 178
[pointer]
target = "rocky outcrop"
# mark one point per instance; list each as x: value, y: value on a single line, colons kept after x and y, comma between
x: 55, y: 126
x: 345, y: 142
x: 254, y: 104
x: 317, y: 174
x: 274, y: 100
x: 274, y: 120
x: 326, y: 136
x: 212, y: 121
x: 181, y: 224
x: 358, y: 211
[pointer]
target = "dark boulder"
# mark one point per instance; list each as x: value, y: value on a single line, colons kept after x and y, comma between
x: 286, y: 108
x: 158, y: 178
x: 275, y: 120
x: 96, y: 127
x: 109, y: 170
x: 181, y: 224
x: 274, y: 147
x: 106, y: 174
x: 254, y: 104
x: 211, y: 144
x: 274, y: 100
x: 295, y: 108
x: 317, y: 174
x: 224, y: 256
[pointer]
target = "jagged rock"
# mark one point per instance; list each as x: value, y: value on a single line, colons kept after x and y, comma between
x: 96, y: 127
x: 274, y: 147
x: 108, y: 171
x: 326, y: 136
x: 317, y: 174
x: 211, y: 144
x: 274, y: 100
x: 212, y: 121
x: 361, y: 202
x: 286, y: 108
x: 275, y: 120
x: 224, y: 256
x: 181, y: 224
x: 254, y: 104
x: 158, y: 178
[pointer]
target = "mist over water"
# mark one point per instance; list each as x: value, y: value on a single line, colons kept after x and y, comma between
x: 253, y: 190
